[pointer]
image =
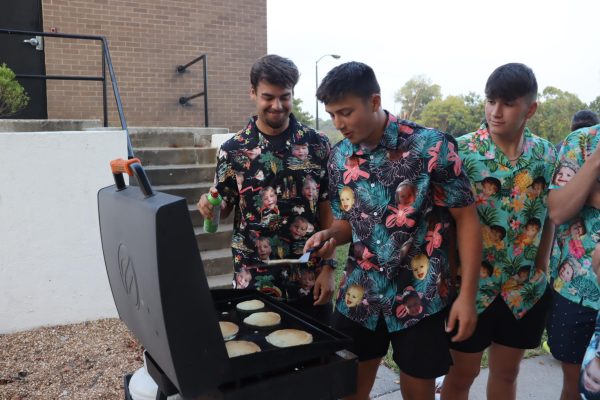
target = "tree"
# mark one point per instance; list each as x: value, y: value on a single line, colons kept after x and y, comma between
x: 12, y: 95
x: 302, y: 116
x: 455, y: 115
x: 414, y: 96
x: 552, y: 120
x: 595, y: 105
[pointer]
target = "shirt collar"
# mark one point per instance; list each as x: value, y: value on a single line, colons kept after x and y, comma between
x: 391, y: 138
x: 494, y: 153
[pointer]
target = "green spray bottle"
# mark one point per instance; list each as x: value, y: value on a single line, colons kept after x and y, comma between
x: 212, y: 224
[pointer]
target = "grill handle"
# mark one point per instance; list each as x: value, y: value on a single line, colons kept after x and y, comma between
x: 131, y: 167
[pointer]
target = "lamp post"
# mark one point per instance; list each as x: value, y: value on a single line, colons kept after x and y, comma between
x: 317, y: 85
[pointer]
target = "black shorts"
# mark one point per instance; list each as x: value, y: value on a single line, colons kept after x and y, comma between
x: 570, y: 328
x: 497, y: 324
x: 420, y: 351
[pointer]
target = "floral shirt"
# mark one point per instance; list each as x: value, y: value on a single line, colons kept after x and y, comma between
x: 396, y: 198
x: 512, y: 206
x: 571, y: 258
x: 590, y: 367
x: 275, y: 184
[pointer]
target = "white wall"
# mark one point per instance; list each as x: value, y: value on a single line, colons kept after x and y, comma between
x: 51, y: 264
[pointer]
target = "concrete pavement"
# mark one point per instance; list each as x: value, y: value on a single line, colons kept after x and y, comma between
x: 540, y: 378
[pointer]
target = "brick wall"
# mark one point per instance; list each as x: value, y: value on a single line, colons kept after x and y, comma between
x: 147, y: 40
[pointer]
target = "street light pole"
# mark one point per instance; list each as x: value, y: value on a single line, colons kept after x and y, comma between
x: 317, y: 85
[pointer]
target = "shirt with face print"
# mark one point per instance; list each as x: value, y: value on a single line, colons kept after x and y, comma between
x: 275, y: 184
x: 570, y: 262
x: 396, y: 198
x: 512, y: 205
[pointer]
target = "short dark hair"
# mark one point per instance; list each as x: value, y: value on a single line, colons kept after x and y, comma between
x: 511, y: 81
x: 583, y: 119
x: 351, y: 78
x: 276, y: 70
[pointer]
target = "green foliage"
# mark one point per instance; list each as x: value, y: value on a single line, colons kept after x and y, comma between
x: 595, y: 105
x: 12, y: 95
x: 455, y: 115
x: 415, y: 94
x: 555, y: 110
x: 302, y: 116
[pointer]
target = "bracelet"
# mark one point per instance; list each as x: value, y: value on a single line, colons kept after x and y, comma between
x: 332, y: 262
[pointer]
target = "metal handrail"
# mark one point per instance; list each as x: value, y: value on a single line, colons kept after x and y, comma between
x: 106, y: 61
x: 184, y: 100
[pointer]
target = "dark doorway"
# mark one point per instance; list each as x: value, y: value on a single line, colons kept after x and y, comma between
x: 22, y: 57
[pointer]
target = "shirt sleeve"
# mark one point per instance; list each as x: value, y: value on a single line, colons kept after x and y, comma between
x: 324, y: 185
x: 334, y: 190
x: 451, y: 186
x: 225, y: 178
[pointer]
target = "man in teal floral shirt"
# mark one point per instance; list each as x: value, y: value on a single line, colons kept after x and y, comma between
x: 509, y: 169
x: 394, y: 188
x: 574, y: 203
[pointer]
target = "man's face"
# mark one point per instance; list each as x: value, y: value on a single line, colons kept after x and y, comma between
x: 273, y: 105
x: 489, y: 189
x: 483, y: 272
x: 531, y: 230
x: 577, y: 230
x: 406, y: 195
x: 507, y: 118
x: 356, y: 118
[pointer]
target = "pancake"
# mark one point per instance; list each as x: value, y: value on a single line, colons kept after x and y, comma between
x: 236, y: 348
x: 289, y: 338
x: 250, y: 305
x: 263, y: 319
x: 228, y: 329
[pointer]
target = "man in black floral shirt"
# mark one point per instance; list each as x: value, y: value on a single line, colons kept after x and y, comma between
x: 273, y: 174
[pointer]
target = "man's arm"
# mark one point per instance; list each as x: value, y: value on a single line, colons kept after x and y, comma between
x: 468, y: 235
x: 542, y: 258
x: 564, y: 203
x: 325, y: 282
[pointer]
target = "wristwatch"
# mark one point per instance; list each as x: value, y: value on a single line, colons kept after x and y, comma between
x: 332, y: 262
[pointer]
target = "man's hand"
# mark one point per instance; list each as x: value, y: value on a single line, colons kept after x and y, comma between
x: 205, y: 208
x: 322, y: 237
x: 324, y: 286
x: 462, y: 312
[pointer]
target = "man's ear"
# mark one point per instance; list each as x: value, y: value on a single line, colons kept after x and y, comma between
x: 532, y: 109
x: 375, y: 102
x: 252, y: 93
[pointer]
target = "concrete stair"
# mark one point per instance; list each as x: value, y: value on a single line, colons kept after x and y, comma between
x: 181, y: 162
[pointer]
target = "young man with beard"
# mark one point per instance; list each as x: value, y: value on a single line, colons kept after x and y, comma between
x: 513, y: 301
x: 259, y: 177
x: 380, y: 299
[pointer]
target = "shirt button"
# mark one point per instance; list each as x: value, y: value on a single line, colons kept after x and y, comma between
x: 372, y: 185
x: 375, y: 213
x: 381, y: 296
x: 371, y: 157
x: 379, y: 241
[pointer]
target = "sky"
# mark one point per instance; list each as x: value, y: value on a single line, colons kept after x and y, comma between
x: 456, y: 44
